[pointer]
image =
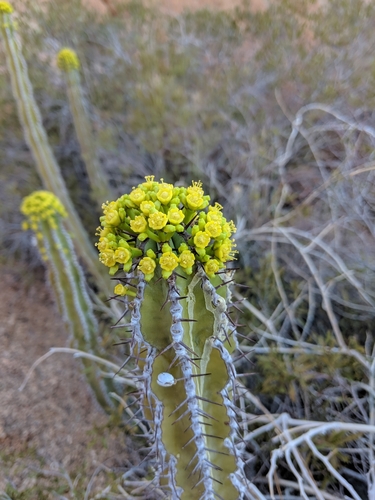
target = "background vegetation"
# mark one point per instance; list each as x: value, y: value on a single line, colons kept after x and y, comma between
x: 273, y: 111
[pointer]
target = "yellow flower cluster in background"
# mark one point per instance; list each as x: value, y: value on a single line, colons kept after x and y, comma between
x: 159, y: 224
x: 5, y: 8
x: 41, y: 206
x: 67, y: 60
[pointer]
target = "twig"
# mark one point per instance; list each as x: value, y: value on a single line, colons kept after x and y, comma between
x: 77, y: 353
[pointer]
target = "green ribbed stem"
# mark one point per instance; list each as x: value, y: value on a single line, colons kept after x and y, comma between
x: 68, y: 283
x: 187, y: 346
x: 101, y: 191
x: 37, y: 140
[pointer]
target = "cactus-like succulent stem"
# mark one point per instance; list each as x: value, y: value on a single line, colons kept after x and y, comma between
x: 198, y: 429
x: 187, y: 385
x: 37, y: 140
x: 68, y: 62
x: 44, y: 213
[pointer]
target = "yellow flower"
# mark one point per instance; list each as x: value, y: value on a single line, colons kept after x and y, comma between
x: 107, y: 258
x: 147, y: 265
x: 232, y: 226
x: 112, y: 218
x: 102, y: 245
x: 195, y: 189
x: 67, y: 60
x: 165, y: 193
x: 224, y: 252
x: 139, y: 224
x: 187, y: 259
x: 157, y: 220
x: 214, y: 215
x: 195, y: 195
x: 212, y: 267
x: 201, y: 239
x: 120, y: 290
x: 175, y: 216
x: 213, y: 229
x: 42, y: 205
x: 147, y: 206
x: 137, y: 196
x: 122, y: 255
x: 149, y: 184
x: 123, y: 290
x: 168, y: 261
x: 5, y: 8
x: 194, y: 201
x: 153, y: 212
x: 109, y: 206
x: 104, y: 232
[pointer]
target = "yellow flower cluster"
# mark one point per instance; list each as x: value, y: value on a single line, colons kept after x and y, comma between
x: 165, y: 226
x: 5, y: 8
x: 41, y: 206
x: 67, y: 60
x: 38, y: 207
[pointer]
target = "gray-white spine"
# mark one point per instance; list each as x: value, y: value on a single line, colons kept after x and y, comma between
x: 182, y: 354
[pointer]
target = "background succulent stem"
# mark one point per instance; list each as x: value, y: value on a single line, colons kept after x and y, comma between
x: 101, y: 191
x: 37, y: 140
x: 44, y: 213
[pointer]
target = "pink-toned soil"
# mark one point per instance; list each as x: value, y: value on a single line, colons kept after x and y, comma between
x: 54, y: 424
x: 176, y: 6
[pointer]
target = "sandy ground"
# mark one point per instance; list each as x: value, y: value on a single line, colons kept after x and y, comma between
x: 55, y: 423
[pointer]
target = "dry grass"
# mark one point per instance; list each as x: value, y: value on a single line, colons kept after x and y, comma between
x: 280, y: 128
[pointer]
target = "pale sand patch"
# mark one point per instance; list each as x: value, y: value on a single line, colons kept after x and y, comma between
x: 55, y: 422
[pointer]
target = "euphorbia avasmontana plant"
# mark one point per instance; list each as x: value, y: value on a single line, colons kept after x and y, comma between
x: 169, y: 250
x: 44, y: 216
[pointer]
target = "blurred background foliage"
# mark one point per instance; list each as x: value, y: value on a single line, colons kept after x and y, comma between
x: 212, y: 95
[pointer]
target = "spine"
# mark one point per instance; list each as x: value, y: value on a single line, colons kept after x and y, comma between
x: 174, y: 248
